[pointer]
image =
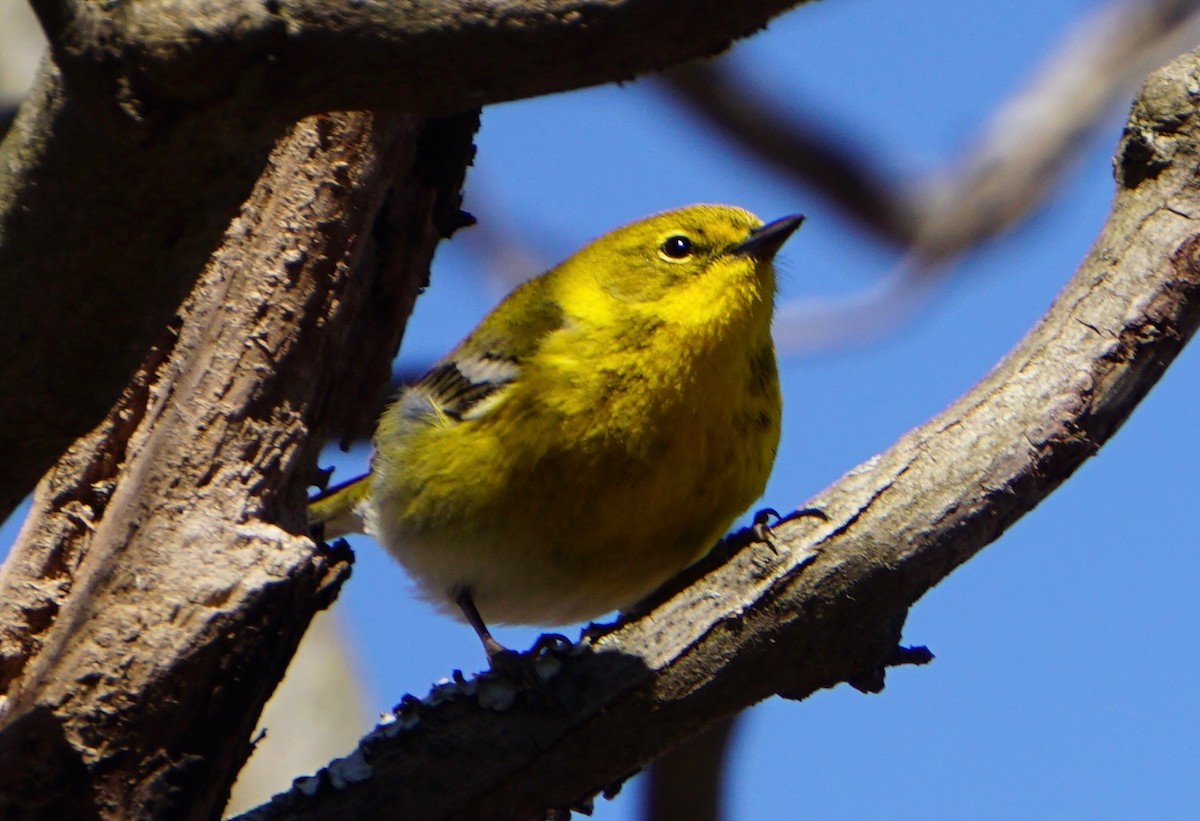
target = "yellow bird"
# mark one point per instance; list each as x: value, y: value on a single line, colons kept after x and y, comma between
x: 599, y: 431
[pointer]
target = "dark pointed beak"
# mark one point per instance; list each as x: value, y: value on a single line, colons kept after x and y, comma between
x: 764, y: 242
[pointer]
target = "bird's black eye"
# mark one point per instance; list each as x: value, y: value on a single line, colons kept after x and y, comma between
x: 677, y: 247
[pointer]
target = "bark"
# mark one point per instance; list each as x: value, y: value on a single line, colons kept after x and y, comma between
x: 827, y: 602
x: 152, y: 119
x: 157, y: 591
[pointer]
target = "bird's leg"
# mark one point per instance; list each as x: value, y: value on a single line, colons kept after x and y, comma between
x: 493, y: 648
x: 518, y: 666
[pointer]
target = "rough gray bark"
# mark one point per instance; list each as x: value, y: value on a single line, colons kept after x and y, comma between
x: 829, y: 605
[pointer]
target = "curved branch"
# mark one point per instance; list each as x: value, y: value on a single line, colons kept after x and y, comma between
x: 297, y: 57
x: 826, y: 605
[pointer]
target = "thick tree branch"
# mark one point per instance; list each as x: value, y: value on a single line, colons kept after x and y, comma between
x: 302, y: 56
x: 155, y: 597
x: 827, y: 604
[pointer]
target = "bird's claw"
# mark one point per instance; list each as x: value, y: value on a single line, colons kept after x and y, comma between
x: 762, y: 529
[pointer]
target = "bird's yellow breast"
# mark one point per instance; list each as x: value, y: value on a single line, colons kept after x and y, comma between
x: 626, y: 448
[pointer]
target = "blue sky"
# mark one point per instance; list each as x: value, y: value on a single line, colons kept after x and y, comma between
x: 1064, y: 684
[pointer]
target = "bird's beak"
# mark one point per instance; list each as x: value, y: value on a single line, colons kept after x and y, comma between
x: 764, y: 242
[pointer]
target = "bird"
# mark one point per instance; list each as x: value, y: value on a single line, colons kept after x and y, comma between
x: 596, y: 433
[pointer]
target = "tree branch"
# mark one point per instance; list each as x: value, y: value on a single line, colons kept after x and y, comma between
x: 156, y: 593
x: 827, y: 604
x: 798, y: 145
x: 306, y: 56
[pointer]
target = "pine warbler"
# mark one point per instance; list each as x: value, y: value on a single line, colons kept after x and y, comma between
x: 599, y: 431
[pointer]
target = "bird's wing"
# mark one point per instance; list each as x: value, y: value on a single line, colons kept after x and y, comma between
x: 456, y: 387
x: 460, y: 386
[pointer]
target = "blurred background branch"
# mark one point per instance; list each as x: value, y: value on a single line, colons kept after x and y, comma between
x: 1014, y: 162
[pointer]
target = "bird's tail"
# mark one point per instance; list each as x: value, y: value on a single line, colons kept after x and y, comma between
x: 339, y: 509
